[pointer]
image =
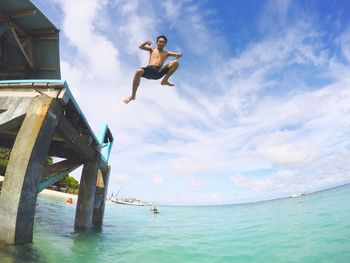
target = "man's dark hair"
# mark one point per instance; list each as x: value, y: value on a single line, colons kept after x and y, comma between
x: 162, y: 36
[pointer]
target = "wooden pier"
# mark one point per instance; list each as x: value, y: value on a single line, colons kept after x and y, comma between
x: 40, y: 118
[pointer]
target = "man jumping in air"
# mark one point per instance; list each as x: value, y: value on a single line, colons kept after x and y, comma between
x: 155, y: 69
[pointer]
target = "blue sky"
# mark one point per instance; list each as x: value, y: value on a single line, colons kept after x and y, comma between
x: 261, y: 104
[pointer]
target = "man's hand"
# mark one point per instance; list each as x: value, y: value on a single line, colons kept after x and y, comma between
x: 179, y: 55
x: 147, y: 45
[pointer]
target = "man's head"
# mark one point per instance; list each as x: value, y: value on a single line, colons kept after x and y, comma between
x: 161, y: 41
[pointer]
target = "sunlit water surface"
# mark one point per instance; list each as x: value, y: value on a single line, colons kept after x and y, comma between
x: 313, y: 228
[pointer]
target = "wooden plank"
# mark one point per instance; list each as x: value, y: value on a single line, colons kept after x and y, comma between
x: 22, y: 32
x: 41, y: 31
x: 47, y: 69
x: 45, y: 38
x: 27, y: 42
x: 12, y: 70
x: 11, y: 74
x: 19, y: 45
x: 25, y: 12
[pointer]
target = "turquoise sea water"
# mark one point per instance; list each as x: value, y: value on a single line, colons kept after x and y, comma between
x: 313, y: 228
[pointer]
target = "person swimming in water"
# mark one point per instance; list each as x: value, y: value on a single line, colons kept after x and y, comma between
x: 69, y: 201
x: 155, y: 69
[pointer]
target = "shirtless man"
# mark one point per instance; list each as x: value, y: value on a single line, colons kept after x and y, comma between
x: 155, y: 69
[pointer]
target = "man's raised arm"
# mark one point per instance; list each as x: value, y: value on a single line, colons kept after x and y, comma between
x: 146, y: 46
x: 174, y: 54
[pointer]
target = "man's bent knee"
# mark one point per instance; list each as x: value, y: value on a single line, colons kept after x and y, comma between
x: 140, y: 71
x: 174, y: 63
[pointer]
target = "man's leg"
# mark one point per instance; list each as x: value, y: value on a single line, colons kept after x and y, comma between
x: 173, y: 65
x: 135, y: 84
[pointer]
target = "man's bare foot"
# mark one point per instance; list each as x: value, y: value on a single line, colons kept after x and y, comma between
x: 167, y: 83
x: 127, y: 100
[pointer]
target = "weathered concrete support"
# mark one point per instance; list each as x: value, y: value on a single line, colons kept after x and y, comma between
x: 28, y: 157
x: 75, y: 140
x: 86, y: 198
x: 100, y: 196
x: 13, y: 112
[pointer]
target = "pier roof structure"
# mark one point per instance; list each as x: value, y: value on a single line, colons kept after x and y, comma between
x: 29, y: 42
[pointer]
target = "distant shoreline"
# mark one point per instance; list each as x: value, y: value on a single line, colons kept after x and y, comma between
x: 48, y: 192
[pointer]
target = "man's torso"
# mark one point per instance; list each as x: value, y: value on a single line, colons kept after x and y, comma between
x: 157, y: 57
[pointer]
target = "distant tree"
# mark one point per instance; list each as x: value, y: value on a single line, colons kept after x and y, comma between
x: 49, y: 160
x: 69, y: 183
x: 4, y: 158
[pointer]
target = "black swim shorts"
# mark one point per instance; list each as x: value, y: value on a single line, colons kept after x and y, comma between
x: 154, y: 72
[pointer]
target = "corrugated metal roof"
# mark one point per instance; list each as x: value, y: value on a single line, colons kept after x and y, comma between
x: 36, y: 21
x: 29, y: 42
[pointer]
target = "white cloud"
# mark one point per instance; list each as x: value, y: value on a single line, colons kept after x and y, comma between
x: 97, y: 56
x: 216, y: 197
x: 137, y: 23
x: 245, y: 118
x: 172, y: 9
x: 158, y: 180
x: 121, y: 178
x: 196, y: 184
x: 344, y: 43
x: 128, y: 7
x: 285, y: 148
x: 327, y: 171
x: 280, y: 181
x: 186, y: 166
x: 73, y: 74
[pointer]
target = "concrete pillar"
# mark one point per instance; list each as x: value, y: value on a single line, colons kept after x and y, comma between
x: 100, y: 196
x: 24, y: 170
x: 86, y: 198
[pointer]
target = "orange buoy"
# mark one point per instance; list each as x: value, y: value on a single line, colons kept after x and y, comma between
x: 69, y: 201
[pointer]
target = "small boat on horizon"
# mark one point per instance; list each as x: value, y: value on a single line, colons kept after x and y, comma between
x: 129, y: 201
x: 125, y: 201
x: 300, y: 194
